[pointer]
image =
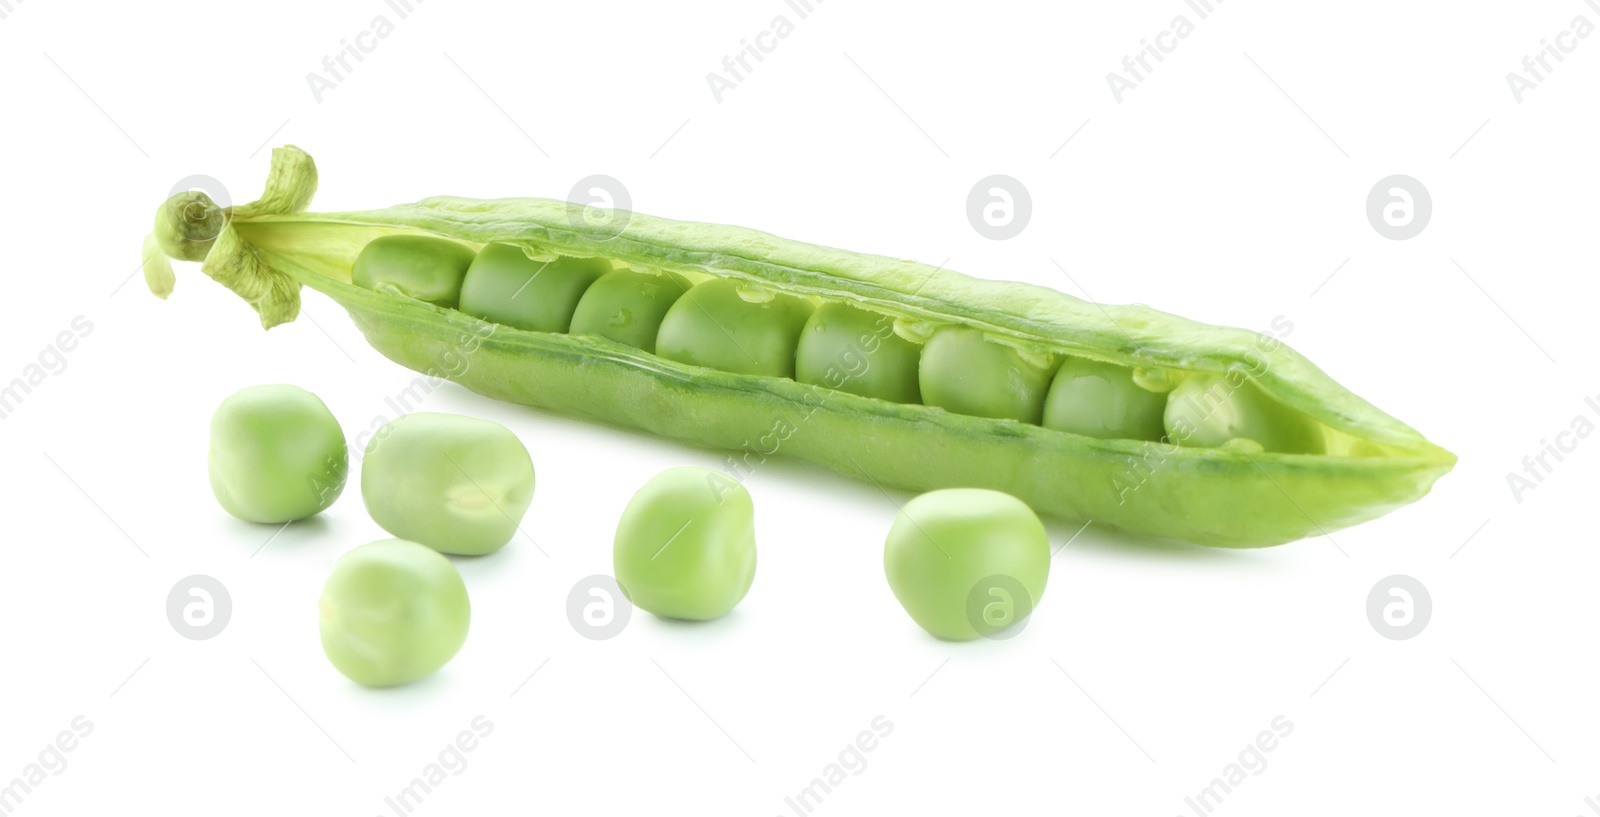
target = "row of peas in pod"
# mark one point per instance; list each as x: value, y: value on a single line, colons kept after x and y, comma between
x: 732, y: 326
x: 964, y: 563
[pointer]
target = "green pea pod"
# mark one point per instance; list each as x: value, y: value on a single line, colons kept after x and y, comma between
x: 1363, y: 465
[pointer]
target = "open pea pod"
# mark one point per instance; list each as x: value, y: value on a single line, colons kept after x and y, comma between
x: 1340, y: 462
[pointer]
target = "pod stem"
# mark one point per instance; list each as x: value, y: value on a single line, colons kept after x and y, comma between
x: 189, y: 226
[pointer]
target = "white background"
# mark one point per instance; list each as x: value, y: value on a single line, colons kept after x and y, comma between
x: 1228, y: 186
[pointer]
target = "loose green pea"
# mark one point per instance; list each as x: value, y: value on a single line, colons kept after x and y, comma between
x: 416, y: 266
x: 392, y: 612
x: 967, y: 562
x: 722, y: 324
x: 965, y: 373
x: 456, y: 484
x: 627, y: 307
x: 507, y: 287
x: 857, y: 351
x: 686, y: 545
x: 1207, y: 411
x: 1102, y: 400
x: 277, y: 454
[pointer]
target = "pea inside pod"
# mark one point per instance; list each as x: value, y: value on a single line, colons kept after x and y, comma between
x: 966, y: 373
x: 1209, y: 411
x: 456, y: 484
x: 423, y: 267
x: 1103, y: 400
x: 856, y: 351
x: 628, y: 306
x: 725, y: 325
x: 506, y: 286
